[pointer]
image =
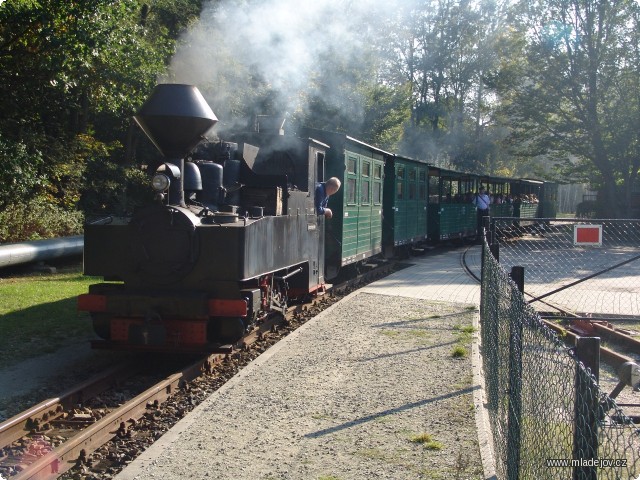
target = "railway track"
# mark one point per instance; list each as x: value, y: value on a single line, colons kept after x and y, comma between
x: 569, y: 326
x: 78, y: 432
x: 583, y: 327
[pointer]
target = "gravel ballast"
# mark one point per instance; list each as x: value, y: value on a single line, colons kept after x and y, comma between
x: 371, y: 388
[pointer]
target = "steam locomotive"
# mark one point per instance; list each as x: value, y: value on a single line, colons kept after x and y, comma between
x: 233, y: 234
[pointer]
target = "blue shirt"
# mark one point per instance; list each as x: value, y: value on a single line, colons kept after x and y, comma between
x: 482, y: 201
x: 321, y: 199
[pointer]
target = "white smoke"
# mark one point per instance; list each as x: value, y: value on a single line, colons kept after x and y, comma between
x: 240, y: 50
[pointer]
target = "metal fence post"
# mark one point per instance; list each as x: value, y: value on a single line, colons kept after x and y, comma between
x: 515, y: 394
x: 585, y: 436
x: 494, y: 245
x: 517, y: 275
x: 486, y: 223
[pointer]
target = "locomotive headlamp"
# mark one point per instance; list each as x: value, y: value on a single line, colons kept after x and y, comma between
x: 160, y: 182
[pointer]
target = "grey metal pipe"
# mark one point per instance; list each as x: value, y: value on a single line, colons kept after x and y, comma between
x: 39, y: 250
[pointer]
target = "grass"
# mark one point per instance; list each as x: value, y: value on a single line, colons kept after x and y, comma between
x: 465, y: 330
x: 464, y: 334
x: 459, y: 351
x: 427, y: 441
x: 38, y: 314
x: 419, y: 335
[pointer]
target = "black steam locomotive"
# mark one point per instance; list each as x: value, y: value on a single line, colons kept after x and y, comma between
x: 232, y: 236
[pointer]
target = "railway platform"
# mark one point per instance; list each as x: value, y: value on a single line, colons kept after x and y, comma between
x: 370, y: 388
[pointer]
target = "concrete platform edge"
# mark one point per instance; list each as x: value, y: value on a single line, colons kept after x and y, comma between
x: 485, y: 441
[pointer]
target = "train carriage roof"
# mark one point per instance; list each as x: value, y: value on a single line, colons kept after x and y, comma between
x: 342, y: 138
x: 413, y: 160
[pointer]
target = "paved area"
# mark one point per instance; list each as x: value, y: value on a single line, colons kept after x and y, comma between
x: 600, y: 280
x: 347, y: 410
x: 438, y: 275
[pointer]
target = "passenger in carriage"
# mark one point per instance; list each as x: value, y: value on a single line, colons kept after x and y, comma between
x: 322, y: 194
x: 482, y: 202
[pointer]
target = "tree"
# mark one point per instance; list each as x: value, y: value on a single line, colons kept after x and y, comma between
x: 577, y: 93
x: 444, y: 50
x: 71, y: 74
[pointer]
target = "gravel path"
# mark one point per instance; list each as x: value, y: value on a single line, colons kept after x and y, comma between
x: 341, y: 398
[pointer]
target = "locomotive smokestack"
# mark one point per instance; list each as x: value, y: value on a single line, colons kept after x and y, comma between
x: 175, y: 117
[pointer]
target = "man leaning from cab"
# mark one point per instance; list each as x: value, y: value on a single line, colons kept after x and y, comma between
x: 323, y: 192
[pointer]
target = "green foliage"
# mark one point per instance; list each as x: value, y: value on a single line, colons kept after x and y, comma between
x: 71, y: 75
x: 464, y: 337
x: 38, y: 219
x: 114, y: 189
x: 109, y: 187
x: 386, y: 110
x: 576, y: 98
x: 20, y: 173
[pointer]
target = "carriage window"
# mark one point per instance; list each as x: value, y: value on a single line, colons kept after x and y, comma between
x: 400, y: 173
x: 399, y: 194
x: 351, y: 190
x: 422, y: 176
x: 366, y: 169
x: 377, y: 192
x: 433, y: 190
x: 377, y: 171
x: 351, y: 164
x: 412, y: 175
x: 364, y: 194
x: 320, y: 166
x: 423, y: 192
x: 412, y: 191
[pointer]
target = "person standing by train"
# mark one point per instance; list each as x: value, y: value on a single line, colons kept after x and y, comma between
x: 323, y: 192
x: 481, y: 201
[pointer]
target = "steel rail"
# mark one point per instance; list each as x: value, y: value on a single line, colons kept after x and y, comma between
x: 609, y: 356
x: 66, y: 455
x: 18, y: 426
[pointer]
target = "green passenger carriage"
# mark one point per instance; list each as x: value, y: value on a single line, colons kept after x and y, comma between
x: 406, y: 193
x: 355, y: 231
x: 451, y: 212
x: 498, y: 188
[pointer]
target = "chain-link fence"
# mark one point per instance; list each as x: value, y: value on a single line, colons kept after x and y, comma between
x: 548, y: 417
x: 582, y: 266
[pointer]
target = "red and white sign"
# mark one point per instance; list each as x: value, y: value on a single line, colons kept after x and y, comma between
x: 587, y: 235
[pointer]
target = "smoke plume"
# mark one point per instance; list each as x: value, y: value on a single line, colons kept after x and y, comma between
x: 243, y: 55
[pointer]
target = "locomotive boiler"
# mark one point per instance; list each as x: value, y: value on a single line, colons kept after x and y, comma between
x: 231, y: 237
